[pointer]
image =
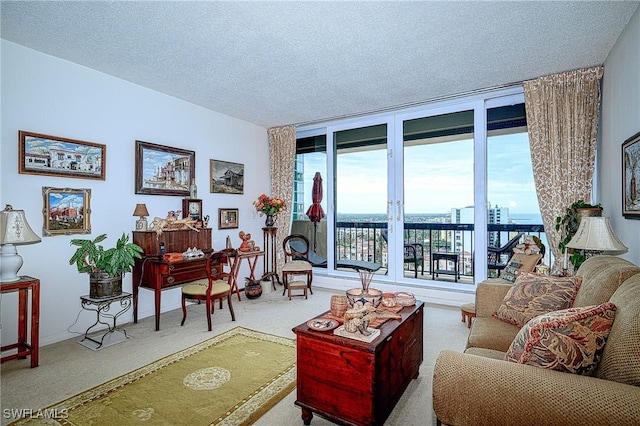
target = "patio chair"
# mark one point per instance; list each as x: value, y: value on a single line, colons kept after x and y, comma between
x: 318, y: 261
x: 413, y: 253
x: 498, y: 257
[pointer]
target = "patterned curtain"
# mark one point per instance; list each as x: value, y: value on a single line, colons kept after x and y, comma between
x: 562, y: 117
x: 282, y: 154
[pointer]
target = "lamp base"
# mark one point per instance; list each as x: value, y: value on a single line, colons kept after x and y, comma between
x: 141, y: 225
x: 10, y: 263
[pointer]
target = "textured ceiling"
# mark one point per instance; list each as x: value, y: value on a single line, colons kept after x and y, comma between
x: 275, y: 63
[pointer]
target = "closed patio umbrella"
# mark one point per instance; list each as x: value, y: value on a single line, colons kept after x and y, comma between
x: 315, y: 211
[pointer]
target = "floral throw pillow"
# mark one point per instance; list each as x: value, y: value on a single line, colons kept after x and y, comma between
x: 533, y: 295
x: 569, y: 340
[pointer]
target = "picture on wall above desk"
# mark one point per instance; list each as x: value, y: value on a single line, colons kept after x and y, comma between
x: 163, y: 170
x: 227, y: 218
x: 55, y: 156
x: 66, y: 211
x: 226, y: 178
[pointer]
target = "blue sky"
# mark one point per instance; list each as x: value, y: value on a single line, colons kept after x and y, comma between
x: 438, y: 177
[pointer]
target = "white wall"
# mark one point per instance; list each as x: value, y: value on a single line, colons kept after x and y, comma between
x: 620, y: 120
x: 43, y: 94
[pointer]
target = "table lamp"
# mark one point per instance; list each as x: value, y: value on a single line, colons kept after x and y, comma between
x: 141, y: 210
x: 595, y: 236
x: 14, y: 230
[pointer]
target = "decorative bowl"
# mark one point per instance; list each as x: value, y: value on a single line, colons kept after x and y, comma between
x: 371, y: 297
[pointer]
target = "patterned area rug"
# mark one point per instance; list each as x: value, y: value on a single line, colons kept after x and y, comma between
x: 230, y: 379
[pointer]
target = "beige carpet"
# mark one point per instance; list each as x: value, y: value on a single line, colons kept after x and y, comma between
x: 67, y: 368
x: 230, y: 379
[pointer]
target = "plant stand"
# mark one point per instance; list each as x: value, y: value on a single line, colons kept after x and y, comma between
x: 102, y: 307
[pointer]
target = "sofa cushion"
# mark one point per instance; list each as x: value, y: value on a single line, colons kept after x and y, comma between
x: 491, y: 333
x: 602, y: 275
x: 520, y: 263
x: 533, y: 295
x: 621, y: 356
x: 569, y: 340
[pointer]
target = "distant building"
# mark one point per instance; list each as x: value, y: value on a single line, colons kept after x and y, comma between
x: 462, y: 239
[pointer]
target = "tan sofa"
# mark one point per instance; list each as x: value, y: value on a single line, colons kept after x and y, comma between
x: 478, y: 387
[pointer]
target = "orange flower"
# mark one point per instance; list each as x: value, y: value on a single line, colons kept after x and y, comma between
x: 269, y: 206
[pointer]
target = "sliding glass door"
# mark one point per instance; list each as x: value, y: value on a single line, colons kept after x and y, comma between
x: 410, y: 189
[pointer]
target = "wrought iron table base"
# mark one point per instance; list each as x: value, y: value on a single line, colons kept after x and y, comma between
x: 102, y: 307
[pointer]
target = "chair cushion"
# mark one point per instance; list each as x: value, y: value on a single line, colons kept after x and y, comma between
x: 520, y: 263
x: 602, y: 277
x: 491, y: 333
x: 533, y: 295
x: 621, y: 356
x: 199, y: 288
x: 570, y: 340
x: 296, y: 265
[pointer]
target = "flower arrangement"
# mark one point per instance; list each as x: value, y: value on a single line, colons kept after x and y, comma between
x: 269, y: 206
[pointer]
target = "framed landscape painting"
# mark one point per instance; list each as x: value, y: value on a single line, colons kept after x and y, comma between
x: 40, y: 154
x: 227, y: 218
x: 631, y: 177
x: 66, y: 211
x: 226, y: 177
x: 163, y: 170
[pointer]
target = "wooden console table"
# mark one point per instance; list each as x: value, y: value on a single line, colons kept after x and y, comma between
x: 356, y: 383
x: 25, y: 348
x: 154, y: 273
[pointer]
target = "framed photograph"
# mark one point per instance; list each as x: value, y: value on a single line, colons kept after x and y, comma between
x: 226, y: 178
x: 631, y: 177
x: 40, y: 154
x: 66, y: 211
x: 227, y: 218
x: 163, y: 170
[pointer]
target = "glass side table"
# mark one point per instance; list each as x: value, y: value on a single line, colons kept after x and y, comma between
x: 105, y: 316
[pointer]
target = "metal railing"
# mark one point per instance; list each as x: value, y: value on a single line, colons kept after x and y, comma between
x: 364, y: 240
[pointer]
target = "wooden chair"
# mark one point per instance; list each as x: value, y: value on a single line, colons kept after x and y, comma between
x: 214, y: 287
x: 296, y: 263
x: 413, y: 254
x: 498, y: 257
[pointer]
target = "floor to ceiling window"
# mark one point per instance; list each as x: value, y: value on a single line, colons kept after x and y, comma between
x: 413, y: 178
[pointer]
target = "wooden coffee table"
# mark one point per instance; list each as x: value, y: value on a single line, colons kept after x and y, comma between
x: 357, y: 383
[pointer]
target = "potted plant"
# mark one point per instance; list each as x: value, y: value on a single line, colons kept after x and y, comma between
x: 568, y: 224
x: 105, y: 267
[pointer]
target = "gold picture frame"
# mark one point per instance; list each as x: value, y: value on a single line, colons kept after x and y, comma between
x: 66, y: 211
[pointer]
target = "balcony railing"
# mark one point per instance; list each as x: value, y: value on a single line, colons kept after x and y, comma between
x: 364, y: 241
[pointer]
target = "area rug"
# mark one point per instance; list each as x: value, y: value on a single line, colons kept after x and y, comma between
x: 230, y: 379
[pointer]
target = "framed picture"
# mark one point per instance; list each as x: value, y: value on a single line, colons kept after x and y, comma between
x: 66, y: 211
x: 631, y: 177
x: 163, y: 170
x: 40, y: 154
x: 227, y: 218
x: 226, y: 178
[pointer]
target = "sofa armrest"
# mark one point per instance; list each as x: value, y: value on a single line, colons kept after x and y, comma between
x: 489, y: 295
x: 473, y: 390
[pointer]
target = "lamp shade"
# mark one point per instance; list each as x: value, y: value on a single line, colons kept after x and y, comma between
x: 141, y: 210
x: 596, y: 234
x: 14, y: 228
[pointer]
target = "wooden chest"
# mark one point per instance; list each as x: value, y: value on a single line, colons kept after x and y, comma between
x: 356, y: 383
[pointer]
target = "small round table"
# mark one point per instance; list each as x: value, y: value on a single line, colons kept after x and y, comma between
x: 468, y: 312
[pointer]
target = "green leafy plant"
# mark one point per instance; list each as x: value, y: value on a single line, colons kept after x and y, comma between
x: 91, y: 257
x: 568, y: 224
